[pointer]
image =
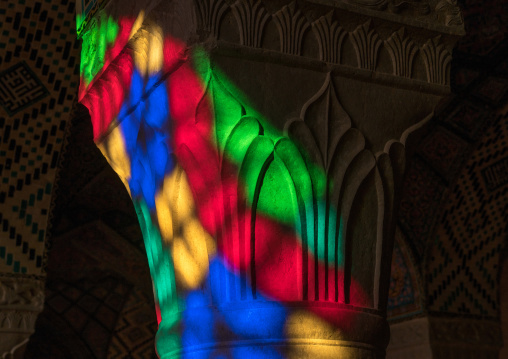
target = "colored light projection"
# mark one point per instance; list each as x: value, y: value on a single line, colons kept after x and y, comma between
x: 236, y: 217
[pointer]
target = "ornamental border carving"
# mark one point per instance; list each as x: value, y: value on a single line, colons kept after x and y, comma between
x: 340, y: 25
x: 21, y: 300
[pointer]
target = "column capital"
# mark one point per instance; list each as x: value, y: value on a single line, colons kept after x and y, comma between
x: 21, y: 301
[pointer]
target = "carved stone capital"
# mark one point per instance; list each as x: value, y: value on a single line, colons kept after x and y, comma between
x: 288, y: 159
x: 21, y: 301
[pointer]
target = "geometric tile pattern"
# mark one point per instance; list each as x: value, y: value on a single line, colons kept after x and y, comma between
x: 496, y: 175
x: 20, y: 88
x: 135, y: 330
x: 485, y: 27
x: 467, y: 119
x: 88, y: 309
x: 454, y: 218
x: 444, y: 151
x: 464, y: 258
x: 419, y: 206
x: 38, y: 83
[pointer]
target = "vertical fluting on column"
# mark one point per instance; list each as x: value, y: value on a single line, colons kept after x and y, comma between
x: 265, y: 236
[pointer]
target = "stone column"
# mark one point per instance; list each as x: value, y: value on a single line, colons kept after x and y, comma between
x: 263, y: 144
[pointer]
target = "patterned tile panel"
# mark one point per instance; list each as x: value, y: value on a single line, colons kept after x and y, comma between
x: 84, y: 313
x: 496, y: 175
x: 463, y: 259
x: 467, y: 120
x: 20, y: 88
x: 38, y: 83
x: 135, y: 330
x: 444, y: 151
x: 422, y: 192
x: 485, y: 27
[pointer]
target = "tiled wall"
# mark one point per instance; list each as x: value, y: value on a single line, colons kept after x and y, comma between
x: 39, y: 66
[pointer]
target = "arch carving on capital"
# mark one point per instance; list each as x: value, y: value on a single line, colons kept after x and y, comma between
x: 326, y: 133
x: 352, y: 177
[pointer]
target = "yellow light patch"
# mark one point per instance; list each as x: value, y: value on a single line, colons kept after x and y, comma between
x: 184, y: 200
x: 113, y: 149
x: 303, y: 324
x: 148, y: 46
x: 140, y: 47
x: 191, y: 245
x: 118, y: 157
x: 137, y: 23
x: 187, y: 272
x: 164, y: 217
x: 155, y: 50
x: 102, y: 148
x: 199, y: 242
